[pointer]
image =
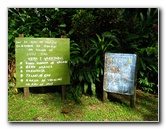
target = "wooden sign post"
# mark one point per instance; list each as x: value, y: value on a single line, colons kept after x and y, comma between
x: 133, y: 97
x: 26, y: 89
x: 63, y: 86
x: 42, y: 62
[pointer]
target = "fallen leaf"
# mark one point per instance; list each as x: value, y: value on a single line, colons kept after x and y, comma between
x: 51, y: 109
x: 65, y: 111
x: 38, y: 118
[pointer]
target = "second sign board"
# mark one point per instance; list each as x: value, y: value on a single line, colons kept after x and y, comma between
x: 119, y: 73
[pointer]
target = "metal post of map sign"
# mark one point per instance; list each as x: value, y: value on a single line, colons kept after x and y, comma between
x: 120, y: 75
x: 42, y: 62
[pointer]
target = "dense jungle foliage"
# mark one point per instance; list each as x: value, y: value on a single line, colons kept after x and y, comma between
x: 92, y: 32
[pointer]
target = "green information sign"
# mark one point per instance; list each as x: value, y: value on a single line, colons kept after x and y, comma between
x: 42, y: 61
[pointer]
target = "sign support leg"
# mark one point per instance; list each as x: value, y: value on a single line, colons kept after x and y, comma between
x: 26, y: 90
x: 63, y: 92
x: 133, y: 97
x: 104, y: 95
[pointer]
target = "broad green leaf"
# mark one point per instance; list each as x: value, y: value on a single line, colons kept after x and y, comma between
x: 97, y: 61
x: 98, y: 37
x: 141, y: 73
x: 148, y: 12
x: 149, y: 68
x: 74, y: 52
x: 91, y: 57
x: 10, y: 37
x: 143, y: 64
x: 154, y: 68
x: 36, y: 34
x: 74, y: 44
x: 142, y: 17
x: 107, y: 45
x: 57, y: 9
x: 62, y: 25
x: 94, y: 42
x: 87, y: 52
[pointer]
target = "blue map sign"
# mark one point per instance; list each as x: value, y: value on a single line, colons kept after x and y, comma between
x: 119, y: 73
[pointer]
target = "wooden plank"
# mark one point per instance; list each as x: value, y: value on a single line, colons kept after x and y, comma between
x: 133, y: 100
x: 133, y: 97
x: 63, y: 92
x: 26, y: 90
x: 105, y: 95
x: 63, y: 86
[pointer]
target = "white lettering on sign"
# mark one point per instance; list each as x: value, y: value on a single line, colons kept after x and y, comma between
x: 62, y: 62
x: 31, y: 54
x: 40, y: 75
x: 28, y: 84
x: 49, y: 46
x: 36, y: 59
x: 48, y: 42
x: 29, y: 63
x: 30, y: 49
x: 50, y: 50
x: 32, y: 80
x: 34, y: 84
x: 18, y: 42
x: 27, y: 45
x: 37, y: 45
x: 30, y: 67
x: 59, y: 79
x: 54, y: 80
x: 42, y: 67
x: 49, y: 83
x: 47, y: 75
x: 40, y: 50
x: 33, y: 42
x: 43, y: 80
x: 52, y: 58
x: 35, y: 71
x: 31, y: 75
x: 17, y: 45
x: 52, y: 62
x: 25, y: 41
x: 39, y: 63
x: 32, y: 59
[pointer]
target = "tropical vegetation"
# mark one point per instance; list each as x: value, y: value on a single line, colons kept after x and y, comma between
x: 92, y: 31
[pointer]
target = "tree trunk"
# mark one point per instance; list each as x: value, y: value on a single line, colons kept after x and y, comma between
x: 99, y: 87
x: 89, y: 90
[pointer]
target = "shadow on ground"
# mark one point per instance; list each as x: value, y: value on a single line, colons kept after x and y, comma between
x: 146, y: 104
